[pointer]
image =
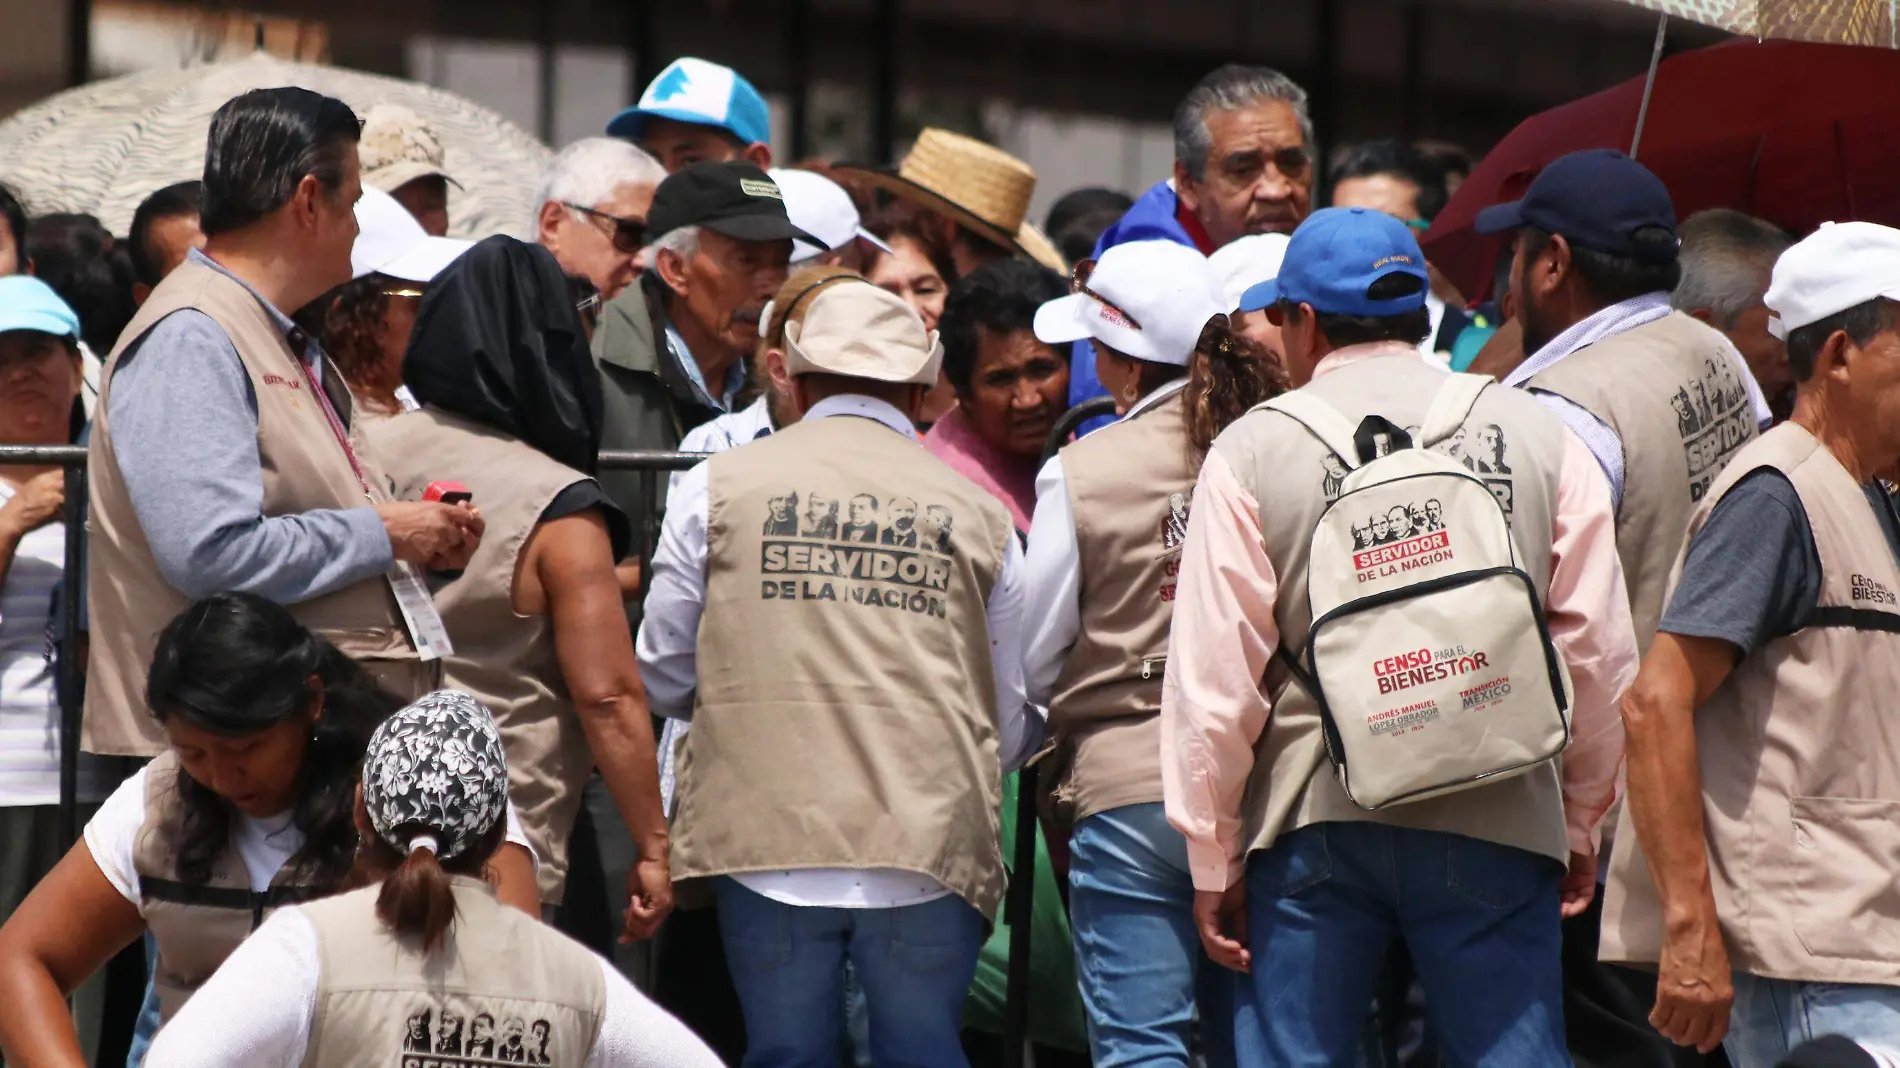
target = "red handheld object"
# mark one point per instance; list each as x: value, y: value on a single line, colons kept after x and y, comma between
x: 447, y: 493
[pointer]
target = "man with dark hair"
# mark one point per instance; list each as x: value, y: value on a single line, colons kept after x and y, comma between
x: 1078, y: 218
x: 78, y: 257
x: 1726, y: 260
x: 1391, y: 176
x: 164, y: 231
x: 222, y: 457
x: 1763, y: 777
x: 1595, y: 261
x: 12, y: 234
x: 1322, y: 888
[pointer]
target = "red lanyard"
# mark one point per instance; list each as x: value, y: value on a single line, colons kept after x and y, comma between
x: 336, y: 424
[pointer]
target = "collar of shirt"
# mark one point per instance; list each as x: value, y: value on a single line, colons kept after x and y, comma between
x: 1160, y: 394
x: 311, y: 348
x: 1354, y: 353
x: 864, y: 408
x: 1592, y: 328
x: 735, y: 375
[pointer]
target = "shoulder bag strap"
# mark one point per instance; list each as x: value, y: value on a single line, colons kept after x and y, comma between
x: 1321, y: 420
x: 1451, y: 407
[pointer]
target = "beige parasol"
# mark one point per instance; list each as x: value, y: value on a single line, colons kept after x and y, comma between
x: 103, y: 147
x: 1851, y: 22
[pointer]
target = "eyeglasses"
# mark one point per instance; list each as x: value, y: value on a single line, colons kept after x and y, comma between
x: 629, y: 235
x: 588, y: 305
x: 1078, y: 281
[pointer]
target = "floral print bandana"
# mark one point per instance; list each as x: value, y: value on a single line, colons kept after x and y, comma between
x: 437, y: 764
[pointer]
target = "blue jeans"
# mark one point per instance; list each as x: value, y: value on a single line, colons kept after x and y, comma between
x: 1325, y: 905
x: 1137, y: 954
x: 1772, y: 1016
x: 915, y: 964
x: 146, y: 1027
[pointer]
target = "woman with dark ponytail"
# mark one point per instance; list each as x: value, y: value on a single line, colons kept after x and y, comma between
x: 1111, y: 513
x: 427, y: 961
x: 250, y: 809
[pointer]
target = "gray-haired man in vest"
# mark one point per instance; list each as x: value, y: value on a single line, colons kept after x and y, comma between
x: 853, y: 704
x: 222, y: 457
x: 1288, y: 871
x: 1763, y: 877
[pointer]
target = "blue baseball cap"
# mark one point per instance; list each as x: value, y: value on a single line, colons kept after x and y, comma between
x: 26, y: 303
x: 1600, y: 199
x: 1333, y: 259
x: 702, y: 93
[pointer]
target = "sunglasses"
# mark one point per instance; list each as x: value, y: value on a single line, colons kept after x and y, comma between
x: 1079, y: 282
x: 629, y: 235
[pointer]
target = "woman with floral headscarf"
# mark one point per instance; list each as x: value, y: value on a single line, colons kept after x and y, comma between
x: 409, y: 965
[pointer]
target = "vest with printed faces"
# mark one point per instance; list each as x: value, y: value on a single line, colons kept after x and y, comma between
x: 305, y: 469
x: 1130, y: 488
x: 1677, y: 398
x: 504, y: 658
x: 846, y: 712
x: 1799, y: 764
x: 501, y: 989
x: 196, y: 925
x: 1515, y: 447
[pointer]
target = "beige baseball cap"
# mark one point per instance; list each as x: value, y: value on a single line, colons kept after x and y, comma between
x: 397, y: 147
x: 862, y: 331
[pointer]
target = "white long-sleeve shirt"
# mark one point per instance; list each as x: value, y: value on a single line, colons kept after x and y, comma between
x: 255, y: 1011
x: 668, y: 645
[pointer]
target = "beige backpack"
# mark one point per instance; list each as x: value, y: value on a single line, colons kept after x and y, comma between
x: 1428, y: 653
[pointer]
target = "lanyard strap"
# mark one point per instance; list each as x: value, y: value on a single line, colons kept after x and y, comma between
x: 336, y: 424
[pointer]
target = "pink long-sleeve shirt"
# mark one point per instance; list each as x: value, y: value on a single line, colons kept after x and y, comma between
x: 1213, y: 708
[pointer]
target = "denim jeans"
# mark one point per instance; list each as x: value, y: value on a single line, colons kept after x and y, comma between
x: 1325, y: 905
x: 915, y: 964
x: 1137, y: 954
x: 146, y: 1027
x: 1772, y: 1016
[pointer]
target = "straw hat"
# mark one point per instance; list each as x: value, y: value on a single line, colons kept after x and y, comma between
x: 977, y: 185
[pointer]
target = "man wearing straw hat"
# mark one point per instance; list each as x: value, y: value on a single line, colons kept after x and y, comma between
x: 976, y: 191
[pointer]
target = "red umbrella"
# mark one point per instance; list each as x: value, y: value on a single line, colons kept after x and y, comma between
x: 1795, y: 133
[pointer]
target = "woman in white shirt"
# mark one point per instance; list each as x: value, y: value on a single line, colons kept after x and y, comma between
x: 426, y: 962
x: 250, y: 809
x: 1111, y: 513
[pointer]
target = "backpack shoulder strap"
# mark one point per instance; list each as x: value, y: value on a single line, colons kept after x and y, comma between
x: 1321, y: 420
x: 1451, y: 407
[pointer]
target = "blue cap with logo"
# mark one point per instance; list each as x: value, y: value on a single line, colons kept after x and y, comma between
x: 1600, y: 199
x: 26, y: 303
x: 702, y: 93
x: 1333, y: 259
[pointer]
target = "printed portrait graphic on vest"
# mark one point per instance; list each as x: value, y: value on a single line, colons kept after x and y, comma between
x: 879, y: 570
x: 439, y: 1042
x: 1481, y: 448
x: 1708, y: 436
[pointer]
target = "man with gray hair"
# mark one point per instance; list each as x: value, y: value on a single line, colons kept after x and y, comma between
x: 1726, y: 261
x: 1243, y: 164
x: 591, y: 209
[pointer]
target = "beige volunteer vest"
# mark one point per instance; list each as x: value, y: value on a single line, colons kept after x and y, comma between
x: 1677, y: 400
x: 502, y: 657
x: 1800, y: 771
x: 305, y: 469
x: 1516, y: 447
x: 1130, y: 485
x: 500, y: 989
x: 195, y: 925
x: 846, y: 714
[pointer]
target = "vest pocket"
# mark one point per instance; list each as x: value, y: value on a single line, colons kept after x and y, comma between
x: 1845, y: 852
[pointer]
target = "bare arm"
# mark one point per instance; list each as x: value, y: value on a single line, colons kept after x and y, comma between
x: 72, y: 923
x: 567, y: 572
x: 1665, y: 798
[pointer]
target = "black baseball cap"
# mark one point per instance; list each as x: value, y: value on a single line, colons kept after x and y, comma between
x: 734, y: 198
x: 1600, y: 199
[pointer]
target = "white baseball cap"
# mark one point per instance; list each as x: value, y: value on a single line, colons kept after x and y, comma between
x: 860, y: 330
x: 1246, y: 262
x: 1148, y: 300
x: 821, y: 208
x: 390, y: 241
x: 1831, y: 270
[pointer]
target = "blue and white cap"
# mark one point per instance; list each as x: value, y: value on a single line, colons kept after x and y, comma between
x: 707, y: 94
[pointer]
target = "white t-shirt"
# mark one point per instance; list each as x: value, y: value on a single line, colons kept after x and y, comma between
x: 264, y: 844
x: 255, y: 1011
x: 29, y: 704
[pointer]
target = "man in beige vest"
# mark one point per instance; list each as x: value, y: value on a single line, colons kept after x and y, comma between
x: 1763, y: 774
x: 222, y: 457
x: 852, y: 704
x: 1661, y: 399
x: 1288, y: 872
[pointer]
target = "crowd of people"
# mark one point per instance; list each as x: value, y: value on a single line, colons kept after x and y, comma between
x: 1415, y: 677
